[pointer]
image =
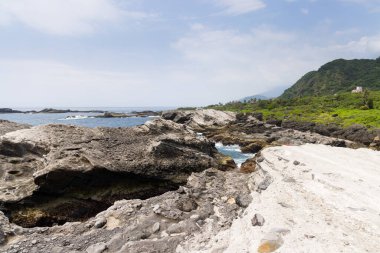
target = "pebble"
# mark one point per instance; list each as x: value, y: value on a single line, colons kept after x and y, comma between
x: 260, y: 159
x: 231, y: 201
x: 156, y: 227
x: 258, y: 220
x: 243, y: 200
x: 195, y: 217
x: 100, y: 223
x: 156, y: 208
x: 97, y: 248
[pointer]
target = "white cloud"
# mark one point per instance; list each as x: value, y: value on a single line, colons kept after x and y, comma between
x: 238, y: 7
x: 213, y: 66
x: 63, y: 17
x: 232, y: 62
x: 365, y: 46
x: 41, y: 83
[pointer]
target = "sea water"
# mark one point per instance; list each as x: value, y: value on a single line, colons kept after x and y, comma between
x: 81, y: 119
x: 234, y: 151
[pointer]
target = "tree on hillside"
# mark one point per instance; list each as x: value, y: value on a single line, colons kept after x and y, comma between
x: 367, y: 100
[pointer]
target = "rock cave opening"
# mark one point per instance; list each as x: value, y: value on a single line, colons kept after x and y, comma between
x: 69, y: 196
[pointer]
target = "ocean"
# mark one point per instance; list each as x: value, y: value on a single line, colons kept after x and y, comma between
x: 81, y: 119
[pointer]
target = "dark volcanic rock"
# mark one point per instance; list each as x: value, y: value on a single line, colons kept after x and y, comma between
x: 300, y: 126
x: 8, y: 110
x: 356, y: 133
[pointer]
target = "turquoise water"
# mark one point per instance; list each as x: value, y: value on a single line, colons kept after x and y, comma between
x: 234, y: 152
x: 81, y: 119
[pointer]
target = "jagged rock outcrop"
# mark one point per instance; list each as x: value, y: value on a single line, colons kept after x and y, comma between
x: 8, y: 126
x: 253, y: 135
x: 250, y: 132
x: 57, y: 173
x: 355, y: 133
x: 199, y: 119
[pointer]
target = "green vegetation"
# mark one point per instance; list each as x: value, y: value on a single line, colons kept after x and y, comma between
x: 337, y: 76
x: 343, y: 109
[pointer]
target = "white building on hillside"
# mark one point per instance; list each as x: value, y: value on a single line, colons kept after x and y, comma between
x: 359, y: 89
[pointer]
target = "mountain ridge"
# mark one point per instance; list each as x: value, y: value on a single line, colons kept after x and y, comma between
x: 337, y: 76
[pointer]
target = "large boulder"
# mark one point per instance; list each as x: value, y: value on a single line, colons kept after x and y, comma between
x: 54, y: 169
x: 199, y: 119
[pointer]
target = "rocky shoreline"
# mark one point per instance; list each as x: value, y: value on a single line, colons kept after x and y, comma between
x: 158, y: 187
x: 252, y: 133
x: 102, y: 114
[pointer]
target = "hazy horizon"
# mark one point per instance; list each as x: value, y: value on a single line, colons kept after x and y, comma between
x: 166, y: 53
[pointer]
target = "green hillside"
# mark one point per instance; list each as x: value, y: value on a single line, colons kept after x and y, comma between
x: 344, y: 109
x: 337, y: 76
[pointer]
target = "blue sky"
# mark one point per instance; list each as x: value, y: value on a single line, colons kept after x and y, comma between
x: 171, y: 52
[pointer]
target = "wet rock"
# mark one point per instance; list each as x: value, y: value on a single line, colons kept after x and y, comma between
x: 248, y: 166
x: 258, y: 220
x: 253, y: 147
x: 225, y: 162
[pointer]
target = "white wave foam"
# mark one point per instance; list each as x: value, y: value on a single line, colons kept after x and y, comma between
x: 77, y: 117
x: 235, y: 148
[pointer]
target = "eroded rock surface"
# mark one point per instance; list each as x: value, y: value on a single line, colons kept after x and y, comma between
x: 204, y: 206
x: 253, y: 135
x: 198, y: 119
x: 57, y: 173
